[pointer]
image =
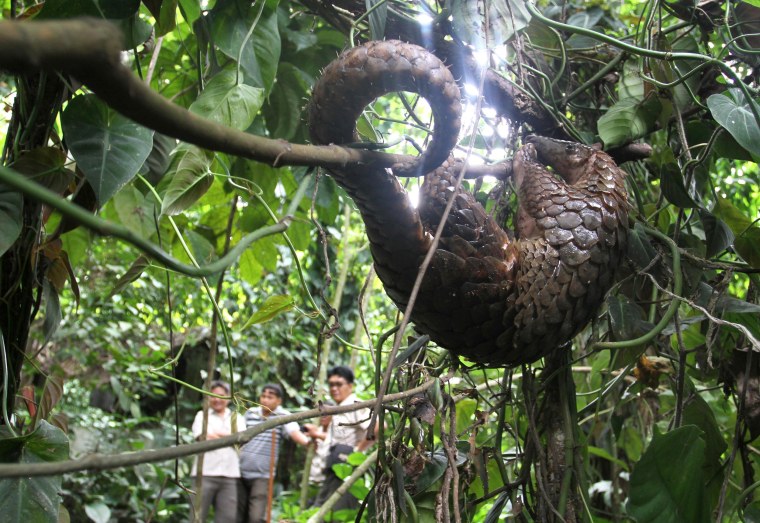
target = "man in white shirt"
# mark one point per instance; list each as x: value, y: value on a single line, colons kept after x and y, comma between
x: 347, y: 433
x: 220, y: 471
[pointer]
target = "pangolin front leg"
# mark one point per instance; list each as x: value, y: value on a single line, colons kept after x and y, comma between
x: 485, y: 297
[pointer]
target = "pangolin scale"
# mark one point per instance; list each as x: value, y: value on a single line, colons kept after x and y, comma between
x: 492, y: 299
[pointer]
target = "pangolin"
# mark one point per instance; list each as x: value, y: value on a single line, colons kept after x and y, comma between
x: 492, y: 299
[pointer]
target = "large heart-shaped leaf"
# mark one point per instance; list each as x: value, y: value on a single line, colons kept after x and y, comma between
x: 228, y: 102
x: 731, y: 109
x: 231, y: 21
x: 108, y: 147
x: 190, y: 181
x: 663, y: 492
x: 250, y: 268
x: 136, y: 211
x: 628, y: 120
x: 47, y: 167
x: 32, y: 498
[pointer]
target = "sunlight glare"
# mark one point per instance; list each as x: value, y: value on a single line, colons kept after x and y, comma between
x: 426, y: 28
x: 424, y: 19
x: 481, y: 57
x: 414, y: 196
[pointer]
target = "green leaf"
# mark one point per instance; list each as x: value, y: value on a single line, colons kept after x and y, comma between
x: 747, y: 241
x: 166, y: 20
x: 631, y: 85
x: 640, y: 249
x: 47, y: 167
x: 300, y: 235
x: 202, y: 250
x: 356, y: 458
x: 191, y: 9
x: 596, y: 451
x: 34, y: 498
x: 159, y: 158
x: 504, y: 19
x: 377, y: 18
x: 190, y: 180
x: 133, y: 273
x: 672, y: 184
x: 698, y: 412
x: 724, y: 303
x: 251, y: 270
x: 273, y: 306
x: 734, y: 218
x: 668, y: 483
x: 284, y: 112
x: 136, y: 211
x: 627, y: 318
x: 135, y: 30
x: 718, y: 235
x: 231, y: 21
x: 628, y: 120
x: 227, y: 102
x: 97, y: 8
x: 748, y: 246
x: 495, y: 513
x: 52, y: 393
x: 359, y: 490
x: 586, y: 19
x: 342, y: 470
x: 108, y: 148
x: 732, y: 110
x: 432, y: 472
x: 266, y: 253
x: 11, y: 204
x: 53, y: 315
x: 98, y: 512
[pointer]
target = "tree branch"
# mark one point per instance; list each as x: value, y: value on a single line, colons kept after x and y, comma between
x: 128, y: 459
x: 90, y: 50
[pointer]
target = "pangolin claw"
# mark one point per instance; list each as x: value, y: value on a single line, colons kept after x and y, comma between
x: 492, y: 299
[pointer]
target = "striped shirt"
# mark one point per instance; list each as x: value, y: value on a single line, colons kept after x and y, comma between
x: 256, y: 455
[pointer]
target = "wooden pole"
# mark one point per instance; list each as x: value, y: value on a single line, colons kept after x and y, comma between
x: 270, y: 491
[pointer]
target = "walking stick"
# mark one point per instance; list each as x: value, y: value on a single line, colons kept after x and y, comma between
x: 270, y: 491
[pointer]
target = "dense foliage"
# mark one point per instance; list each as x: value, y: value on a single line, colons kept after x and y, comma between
x: 651, y: 416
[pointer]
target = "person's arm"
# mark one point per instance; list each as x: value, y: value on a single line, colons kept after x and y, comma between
x: 197, y: 426
x: 299, y: 437
x: 364, y: 442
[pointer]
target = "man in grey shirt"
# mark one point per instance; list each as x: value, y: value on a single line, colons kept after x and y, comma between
x: 258, y: 457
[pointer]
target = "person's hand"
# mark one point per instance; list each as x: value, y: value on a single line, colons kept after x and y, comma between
x: 312, y: 430
x: 216, y: 435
